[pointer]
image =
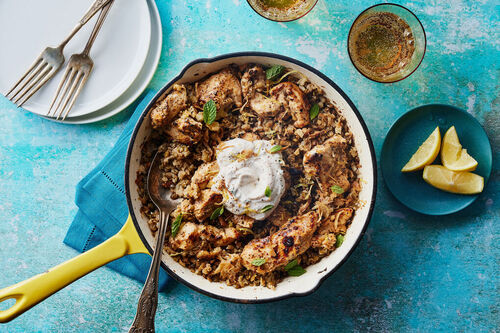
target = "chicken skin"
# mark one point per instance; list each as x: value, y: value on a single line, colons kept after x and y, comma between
x: 206, y: 204
x: 328, y: 162
x: 170, y: 106
x: 223, y: 88
x: 278, y: 249
x: 191, y: 235
x: 293, y: 100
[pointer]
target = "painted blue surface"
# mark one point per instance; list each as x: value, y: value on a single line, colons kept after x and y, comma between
x: 410, y: 272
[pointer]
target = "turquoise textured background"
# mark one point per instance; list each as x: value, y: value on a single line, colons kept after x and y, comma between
x: 411, y: 272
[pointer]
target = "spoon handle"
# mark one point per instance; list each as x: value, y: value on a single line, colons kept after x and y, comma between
x: 144, y: 320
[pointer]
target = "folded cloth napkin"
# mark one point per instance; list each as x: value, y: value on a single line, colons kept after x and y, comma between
x: 100, y: 197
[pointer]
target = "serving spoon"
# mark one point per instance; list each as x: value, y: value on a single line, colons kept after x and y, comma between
x: 144, y: 320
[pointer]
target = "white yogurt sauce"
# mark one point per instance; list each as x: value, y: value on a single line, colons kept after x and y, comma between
x: 246, y: 169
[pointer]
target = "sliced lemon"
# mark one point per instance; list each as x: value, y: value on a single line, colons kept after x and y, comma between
x: 425, y: 154
x: 453, y: 156
x: 460, y: 182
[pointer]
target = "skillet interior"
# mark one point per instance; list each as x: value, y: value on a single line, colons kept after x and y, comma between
x: 316, y: 273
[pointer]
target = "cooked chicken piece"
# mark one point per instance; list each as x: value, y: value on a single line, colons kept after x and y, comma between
x: 206, y: 204
x: 264, y: 106
x: 186, y: 130
x: 279, y: 216
x: 249, y: 136
x: 186, y: 208
x: 328, y: 162
x: 324, y: 237
x: 191, y: 235
x: 229, y: 266
x: 294, y: 101
x: 278, y: 249
x: 170, y: 106
x: 204, y: 254
x: 242, y: 221
x: 203, y: 175
x: 223, y: 88
x: 253, y: 80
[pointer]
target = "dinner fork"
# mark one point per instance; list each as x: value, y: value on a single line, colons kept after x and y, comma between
x: 48, y: 63
x: 77, y: 72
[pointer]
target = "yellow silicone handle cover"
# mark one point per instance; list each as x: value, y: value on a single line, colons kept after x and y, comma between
x: 30, y: 292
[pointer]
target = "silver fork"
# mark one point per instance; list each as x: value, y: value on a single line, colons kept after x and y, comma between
x: 77, y: 73
x: 48, y: 63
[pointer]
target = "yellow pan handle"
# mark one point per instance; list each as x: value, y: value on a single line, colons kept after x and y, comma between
x: 30, y: 292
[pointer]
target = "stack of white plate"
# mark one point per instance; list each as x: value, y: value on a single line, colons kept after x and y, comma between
x: 125, y: 53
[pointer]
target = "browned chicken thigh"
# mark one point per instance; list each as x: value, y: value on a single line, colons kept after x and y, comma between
x: 278, y: 249
x: 170, y: 106
x: 223, y: 88
x: 328, y: 162
x: 191, y: 235
x: 293, y: 100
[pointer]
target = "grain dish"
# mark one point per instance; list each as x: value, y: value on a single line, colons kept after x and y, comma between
x: 291, y: 214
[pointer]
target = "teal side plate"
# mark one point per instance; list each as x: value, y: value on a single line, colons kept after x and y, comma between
x: 404, y: 138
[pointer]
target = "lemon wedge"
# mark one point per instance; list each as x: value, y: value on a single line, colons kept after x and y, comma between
x: 425, y: 154
x: 453, y: 156
x: 461, y: 182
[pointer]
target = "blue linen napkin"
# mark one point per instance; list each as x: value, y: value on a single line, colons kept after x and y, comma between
x: 100, y: 197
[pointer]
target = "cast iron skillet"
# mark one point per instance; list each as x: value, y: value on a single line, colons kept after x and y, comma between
x: 135, y: 236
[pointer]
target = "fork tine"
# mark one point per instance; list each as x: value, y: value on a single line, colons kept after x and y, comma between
x: 32, y: 67
x: 78, y: 91
x: 46, y: 70
x: 61, y: 83
x: 41, y: 84
x: 70, y: 93
x: 65, y: 89
x: 29, y: 79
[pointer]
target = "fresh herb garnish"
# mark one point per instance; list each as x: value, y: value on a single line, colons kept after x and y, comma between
x: 258, y: 262
x: 273, y: 72
x: 176, y: 225
x: 337, y: 189
x: 313, y: 113
x: 291, y: 264
x: 209, y: 112
x: 244, y: 230
x: 275, y: 149
x: 268, y: 192
x: 217, y: 212
x: 266, y: 208
x: 294, y: 269
x: 340, y: 240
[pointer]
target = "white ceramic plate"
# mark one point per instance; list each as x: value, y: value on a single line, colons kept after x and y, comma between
x: 119, y: 51
x: 140, y: 83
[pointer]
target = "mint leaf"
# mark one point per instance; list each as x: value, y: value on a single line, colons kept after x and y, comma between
x: 275, y: 149
x: 273, y: 72
x: 337, y: 189
x: 296, y: 271
x: 258, y: 262
x: 340, y: 240
x: 176, y: 225
x: 209, y: 112
x: 266, y: 208
x: 217, y: 212
x: 291, y: 264
x: 268, y: 192
x: 313, y: 113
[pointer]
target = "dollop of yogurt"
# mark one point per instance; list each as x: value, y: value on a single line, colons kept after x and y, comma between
x: 250, y: 177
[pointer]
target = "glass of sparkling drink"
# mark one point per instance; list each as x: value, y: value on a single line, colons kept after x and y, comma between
x: 282, y: 10
x: 386, y: 43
